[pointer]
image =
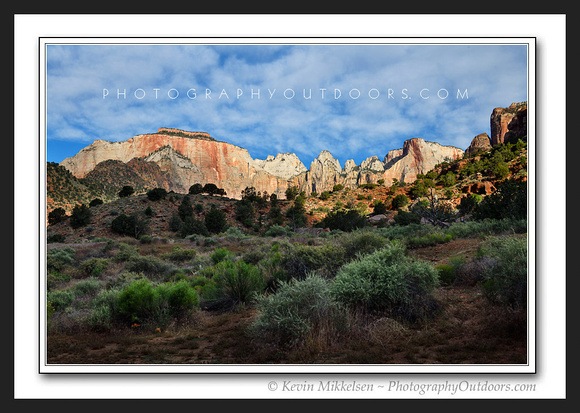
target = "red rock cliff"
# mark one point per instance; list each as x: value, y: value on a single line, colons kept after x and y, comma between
x: 503, y: 120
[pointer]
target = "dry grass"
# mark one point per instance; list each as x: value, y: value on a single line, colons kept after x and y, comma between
x: 468, y: 330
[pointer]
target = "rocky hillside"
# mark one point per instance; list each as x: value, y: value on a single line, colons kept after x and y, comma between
x: 450, y: 181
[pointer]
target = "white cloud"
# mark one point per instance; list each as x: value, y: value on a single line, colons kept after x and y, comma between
x: 350, y: 128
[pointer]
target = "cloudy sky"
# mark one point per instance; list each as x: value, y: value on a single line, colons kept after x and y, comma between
x: 353, y: 100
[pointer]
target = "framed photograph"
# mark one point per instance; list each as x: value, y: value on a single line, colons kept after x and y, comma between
x: 287, y: 205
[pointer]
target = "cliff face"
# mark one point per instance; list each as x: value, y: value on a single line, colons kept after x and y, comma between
x: 191, y: 157
x: 178, y: 159
x: 511, y: 119
x: 416, y: 157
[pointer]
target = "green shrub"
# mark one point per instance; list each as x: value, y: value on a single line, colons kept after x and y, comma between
x: 343, y: 220
x: 505, y: 281
x: 379, y: 208
x: 448, y: 179
x: 147, y: 264
x: 87, y: 287
x: 277, y: 231
x: 239, y: 280
x: 292, y: 192
x: 400, y: 201
x: 468, y: 203
x: 58, y: 258
x: 234, y: 233
x: 296, y: 214
x: 131, y: 225
x: 429, y: 240
x: 94, y: 267
x: 244, y: 210
x: 55, y: 238
x: 508, y: 201
x: 361, y: 242
x: 144, y: 303
x: 220, y: 254
x: 419, y: 189
x: 486, y: 227
x: 406, y: 218
x: 337, y: 188
x: 145, y: 239
x: 298, y: 260
x: 196, y: 189
x: 126, y: 252
x: 297, y: 309
x: 174, y: 222
x: 179, y: 254
x: 61, y: 299
x: 104, y: 310
x: 176, y: 300
x: 124, y: 279
x: 388, y: 280
x: 55, y: 278
x: 137, y: 301
x: 448, y: 272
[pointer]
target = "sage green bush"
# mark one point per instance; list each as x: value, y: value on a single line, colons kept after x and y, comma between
x: 143, y: 302
x: 58, y: 258
x: 297, y: 309
x: 505, y: 280
x: 180, y: 254
x: 238, y: 280
x: 388, y: 280
x: 361, y: 242
x: 104, y: 310
x: 60, y: 299
x: 298, y: 260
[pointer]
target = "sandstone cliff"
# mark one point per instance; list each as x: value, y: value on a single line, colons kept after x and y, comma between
x: 179, y: 159
x: 188, y: 157
x: 416, y: 157
x: 511, y: 119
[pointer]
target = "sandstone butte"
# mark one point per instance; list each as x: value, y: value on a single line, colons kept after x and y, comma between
x: 195, y: 157
x: 511, y: 119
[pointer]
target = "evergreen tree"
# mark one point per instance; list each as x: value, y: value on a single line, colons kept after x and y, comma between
x: 185, y: 209
x: 56, y: 215
x: 81, y: 216
x: 126, y: 191
x: 196, y: 189
x: 156, y: 194
x: 215, y: 220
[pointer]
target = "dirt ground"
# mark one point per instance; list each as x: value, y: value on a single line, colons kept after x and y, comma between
x: 466, y: 330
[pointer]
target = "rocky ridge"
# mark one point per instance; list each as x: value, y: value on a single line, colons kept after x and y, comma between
x: 174, y: 159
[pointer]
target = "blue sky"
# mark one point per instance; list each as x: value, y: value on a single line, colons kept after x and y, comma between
x: 354, y: 100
